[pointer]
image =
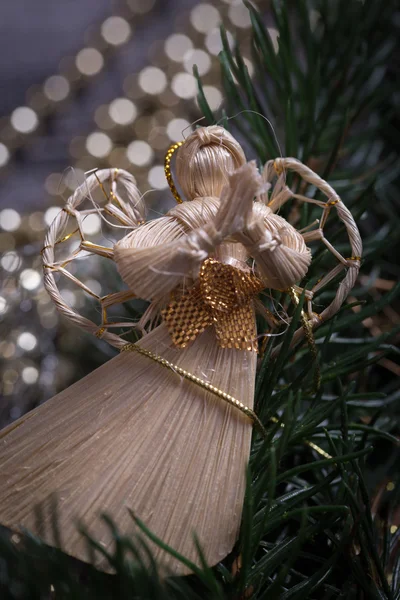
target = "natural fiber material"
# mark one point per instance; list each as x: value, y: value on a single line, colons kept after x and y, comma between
x: 136, y: 435
x: 196, y: 160
x: 205, y: 385
x: 128, y: 213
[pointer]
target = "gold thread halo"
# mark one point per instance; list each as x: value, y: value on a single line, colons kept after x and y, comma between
x: 167, y: 170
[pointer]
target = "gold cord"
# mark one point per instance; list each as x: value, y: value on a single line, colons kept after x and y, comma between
x: 200, y: 382
x: 168, y: 172
x: 308, y: 330
x: 216, y: 391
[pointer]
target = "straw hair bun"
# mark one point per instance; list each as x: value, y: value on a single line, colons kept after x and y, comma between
x: 196, y: 159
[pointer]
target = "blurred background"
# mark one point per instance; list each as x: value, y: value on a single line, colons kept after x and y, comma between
x: 88, y: 85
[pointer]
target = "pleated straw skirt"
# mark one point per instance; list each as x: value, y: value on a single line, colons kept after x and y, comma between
x: 136, y: 435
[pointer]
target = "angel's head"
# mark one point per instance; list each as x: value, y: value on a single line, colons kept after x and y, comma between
x: 205, y: 160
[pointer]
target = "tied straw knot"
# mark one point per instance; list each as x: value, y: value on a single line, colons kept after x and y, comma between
x: 205, y: 136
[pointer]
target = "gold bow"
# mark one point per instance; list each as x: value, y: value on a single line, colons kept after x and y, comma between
x: 222, y: 297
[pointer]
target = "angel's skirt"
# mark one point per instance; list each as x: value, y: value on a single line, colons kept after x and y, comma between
x: 135, y: 435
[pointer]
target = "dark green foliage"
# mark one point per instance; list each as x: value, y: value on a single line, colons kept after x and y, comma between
x: 308, y: 529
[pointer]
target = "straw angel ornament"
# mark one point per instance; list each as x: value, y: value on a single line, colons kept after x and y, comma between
x: 164, y: 428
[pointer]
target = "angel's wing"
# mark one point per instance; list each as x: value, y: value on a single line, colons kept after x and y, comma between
x: 315, y: 231
x: 66, y: 242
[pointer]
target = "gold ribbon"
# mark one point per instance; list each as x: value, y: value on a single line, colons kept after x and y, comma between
x: 222, y: 297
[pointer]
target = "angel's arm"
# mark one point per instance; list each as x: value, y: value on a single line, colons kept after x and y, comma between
x: 155, y: 258
x: 278, y: 249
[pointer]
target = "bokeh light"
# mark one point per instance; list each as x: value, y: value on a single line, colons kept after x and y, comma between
x: 10, y: 220
x: 213, y: 96
x: 184, y: 85
x: 176, y: 129
x: 74, y: 177
x: 139, y: 153
x: 56, y: 88
x: 197, y: 57
x: 10, y: 261
x: 204, y: 17
x: 7, y: 349
x: 27, y: 341
x: 239, y: 15
x: 4, y: 154
x: 98, y: 144
x: 68, y: 296
x: 176, y: 46
x: 157, y: 178
x: 30, y: 375
x: 213, y: 41
x: 24, y: 119
x: 152, y: 80
x: 10, y: 376
x: 51, y: 214
x: 54, y: 184
x: 122, y: 111
x: 36, y: 221
x: 94, y: 285
x: 89, y: 61
x: 91, y: 224
x: 116, y: 30
x: 30, y: 279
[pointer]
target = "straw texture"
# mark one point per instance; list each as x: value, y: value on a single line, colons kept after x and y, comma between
x: 132, y: 434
